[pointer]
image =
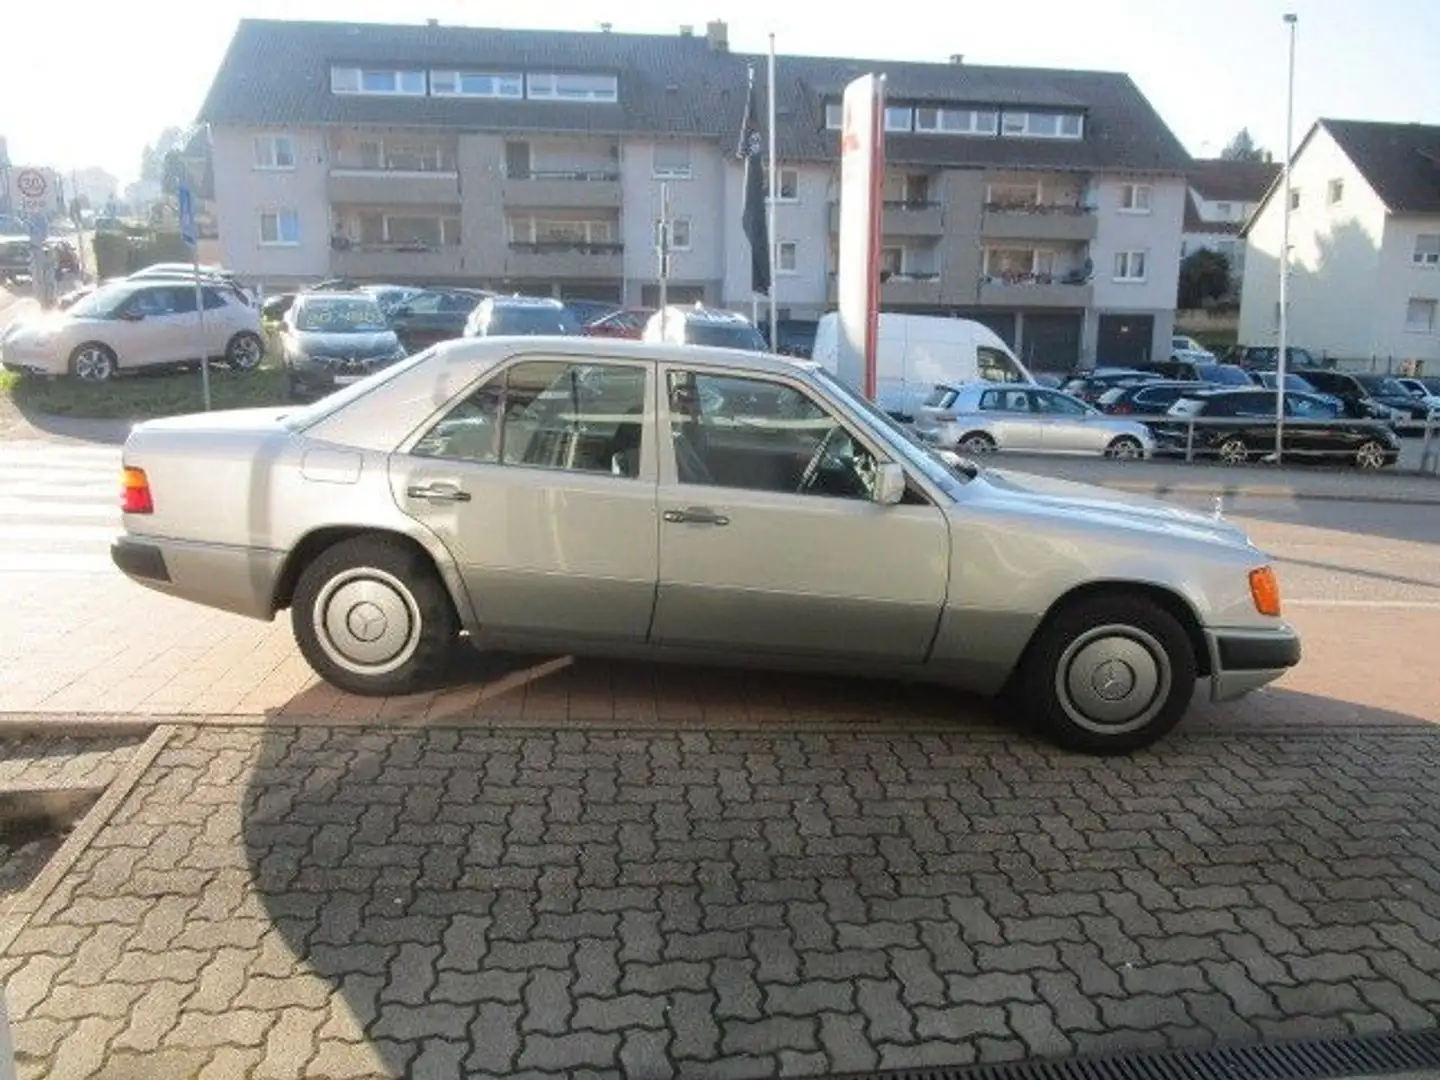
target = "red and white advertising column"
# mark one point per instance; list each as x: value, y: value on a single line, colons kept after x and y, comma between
x: 862, y: 179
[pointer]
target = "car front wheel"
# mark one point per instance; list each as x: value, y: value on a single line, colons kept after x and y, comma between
x: 1126, y: 448
x: 1371, y: 455
x: 372, y: 617
x: 1108, y: 675
x: 244, y: 352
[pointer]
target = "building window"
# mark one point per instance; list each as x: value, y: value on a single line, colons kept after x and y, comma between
x: 1420, y: 316
x: 788, y: 187
x: 274, y: 152
x: 897, y: 118
x: 1042, y: 125
x: 1294, y: 198
x: 1334, y: 191
x: 408, y: 231
x: 672, y: 161
x: 1135, y: 198
x: 572, y: 87
x: 397, y: 154
x: 556, y: 232
x: 279, y: 228
x: 1130, y: 266
x: 1018, y: 264
x: 476, y: 84
x: 1427, y: 250
x: 936, y: 121
x: 834, y: 115
x: 892, y: 260
x: 679, y: 234
x: 1013, y: 196
x: 353, y: 80
x: 785, y: 257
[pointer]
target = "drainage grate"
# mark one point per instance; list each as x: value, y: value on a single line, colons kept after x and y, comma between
x: 1302, y: 1059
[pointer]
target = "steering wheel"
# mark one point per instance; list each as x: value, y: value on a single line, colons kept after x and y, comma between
x: 813, y: 466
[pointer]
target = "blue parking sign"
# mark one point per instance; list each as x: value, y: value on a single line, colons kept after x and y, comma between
x: 39, y: 229
x: 187, y: 214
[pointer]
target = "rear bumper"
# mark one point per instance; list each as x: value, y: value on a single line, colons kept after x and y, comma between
x: 1245, y: 660
x: 235, y: 579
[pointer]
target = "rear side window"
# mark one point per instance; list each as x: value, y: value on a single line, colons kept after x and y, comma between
x: 1158, y: 397
x: 1192, y: 407
x: 1110, y: 397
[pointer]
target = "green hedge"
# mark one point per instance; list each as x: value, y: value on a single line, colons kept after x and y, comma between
x: 117, y: 255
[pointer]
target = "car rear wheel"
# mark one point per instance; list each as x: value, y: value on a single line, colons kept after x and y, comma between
x: 977, y: 442
x: 1234, y: 452
x: 1126, y: 447
x: 372, y: 617
x: 245, y: 351
x: 1108, y: 675
x: 1370, y: 455
x: 93, y: 362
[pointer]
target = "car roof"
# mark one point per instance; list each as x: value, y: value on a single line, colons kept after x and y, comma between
x: 708, y: 315
x: 337, y: 294
x: 523, y: 301
x: 502, y: 346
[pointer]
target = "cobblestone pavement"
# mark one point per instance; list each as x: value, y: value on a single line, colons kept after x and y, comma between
x: 342, y: 903
x: 62, y: 762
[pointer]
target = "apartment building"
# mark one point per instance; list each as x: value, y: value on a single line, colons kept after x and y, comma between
x: 1364, y: 246
x: 1048, y: 204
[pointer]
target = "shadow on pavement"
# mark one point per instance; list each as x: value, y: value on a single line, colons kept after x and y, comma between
x: 582, y: 901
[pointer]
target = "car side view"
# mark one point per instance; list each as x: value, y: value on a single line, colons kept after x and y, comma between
x: 679, y: 502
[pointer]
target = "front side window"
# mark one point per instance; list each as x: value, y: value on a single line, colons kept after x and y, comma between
x: 761, y: 435
x: 1059, y: 405
x: 548, y: 414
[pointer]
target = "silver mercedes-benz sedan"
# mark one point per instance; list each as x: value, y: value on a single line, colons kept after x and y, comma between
x: 631, y: 499
x: 978, y: 418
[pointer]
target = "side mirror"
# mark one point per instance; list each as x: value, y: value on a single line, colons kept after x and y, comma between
x: 889, y: 484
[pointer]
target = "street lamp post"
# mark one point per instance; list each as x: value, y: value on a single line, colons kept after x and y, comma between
x: 1282, y: 355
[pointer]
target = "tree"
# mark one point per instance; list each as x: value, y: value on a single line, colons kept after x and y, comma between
x: 152, y: 158
x: 1242, y: 148
x: 173, y: 172
x: 1204, y: 276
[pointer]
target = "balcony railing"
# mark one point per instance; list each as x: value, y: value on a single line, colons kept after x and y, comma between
x: 1065, y: 209
x: 591, y: 175
x: 406, y: 187
x: 545, y: 247
x: 564, y: 259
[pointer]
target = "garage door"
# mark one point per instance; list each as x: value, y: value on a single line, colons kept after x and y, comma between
x: 1051, y: 342
x: 1124, y: 339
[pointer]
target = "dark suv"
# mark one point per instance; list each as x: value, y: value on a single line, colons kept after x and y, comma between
x: 1365, y: 396
x: 522, y: 315
x: 1267, y: 357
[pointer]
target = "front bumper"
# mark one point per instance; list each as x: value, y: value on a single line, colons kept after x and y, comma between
x: 236, y: 579
x: 309, y: 375
x: 1245, y: 660
x: 26, y: 359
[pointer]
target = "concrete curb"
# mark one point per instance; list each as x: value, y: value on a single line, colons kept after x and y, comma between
x: 24, y: 906
x: 36, y: 725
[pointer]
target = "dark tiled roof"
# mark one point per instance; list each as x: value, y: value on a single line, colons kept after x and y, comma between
x: 1400, y: 161
x: 277, y: 72
x: 1218, y: 180
x: 1195, y: 224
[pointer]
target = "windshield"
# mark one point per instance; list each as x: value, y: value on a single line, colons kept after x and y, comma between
x: 339, y: 315
x: 531, y: 321
x: 101, y: 303
x: 1381, y: 385
x: 1224, y: 374
x: 725, y: 336
x: 916, y: 454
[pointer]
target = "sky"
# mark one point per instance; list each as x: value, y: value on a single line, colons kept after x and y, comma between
x: 1219, y: 68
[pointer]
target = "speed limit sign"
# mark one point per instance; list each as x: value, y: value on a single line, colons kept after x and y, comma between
x: 30, y: 183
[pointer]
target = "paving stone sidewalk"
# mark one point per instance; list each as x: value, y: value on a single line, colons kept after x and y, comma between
x: 342, y: 903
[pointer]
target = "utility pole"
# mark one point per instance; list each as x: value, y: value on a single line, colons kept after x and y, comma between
x: 1282, y: 354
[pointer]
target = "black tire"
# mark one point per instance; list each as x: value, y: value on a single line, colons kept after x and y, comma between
x: 1233, y: 451
x: 93, y: 361
x: 375, y: 577
x: 245, y: 351
x: 1126, y: 447
x: 1155, y: 660
x: 975, y: 442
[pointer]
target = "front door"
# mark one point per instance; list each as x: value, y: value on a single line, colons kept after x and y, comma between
x: 1011, y: 420
x: 1124, y: 340
x: 165, y: 328
x: 769, y: 540
x: 541, y: 482
x: 1066, y: 428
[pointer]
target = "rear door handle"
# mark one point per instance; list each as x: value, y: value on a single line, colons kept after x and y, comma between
x: 696, y: 515
x: 437, y: 493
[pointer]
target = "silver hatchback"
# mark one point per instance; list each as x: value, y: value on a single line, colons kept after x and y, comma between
x: 980, y: 418
x: 652, y: 500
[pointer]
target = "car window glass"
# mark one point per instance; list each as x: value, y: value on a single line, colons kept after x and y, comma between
x: 424, y: 304
x: 1057, y: 404
x: 213, y: 300
x: 995, y: 366
x: 1256, y: 405
x: 459, y: 302
x: 1005, y: 401
x: 1308, y: 408
x: 762, y: 435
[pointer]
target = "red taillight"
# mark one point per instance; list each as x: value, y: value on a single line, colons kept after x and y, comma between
x: 135, y: 492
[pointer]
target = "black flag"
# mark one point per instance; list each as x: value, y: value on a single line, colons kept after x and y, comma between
x: 752, y: 214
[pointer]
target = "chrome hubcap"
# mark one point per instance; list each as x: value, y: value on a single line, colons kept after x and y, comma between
x: 1113, y: 679
x: 977, y: 446
x: 1125, y: 449
x: 1370, y: 456
x: 367, y: 621
x: 92, y: 365
x: 246, y: 352
x: 1232, y: 453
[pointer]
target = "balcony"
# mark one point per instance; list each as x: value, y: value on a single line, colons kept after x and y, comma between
x: 563, y: 190
x: 901, y: 290
x: 1036, y: 291
x: 565, y: 260
x: 1009, y: 221
x: 902, y: 219
x: 401, y: 262
x: 394, y: 187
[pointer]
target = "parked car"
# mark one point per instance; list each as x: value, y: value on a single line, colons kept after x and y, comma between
x: 1313, y: 429
x: 136, y: 324
x: 628, y: 323
x: 1267, y: 357
x: 793, y: 337
x: 329, y: 340
x: 587, y: 311
x: 1198, y: 371
x: 1270, y: 379
x: 1088, y: 386
x: 977, y: 418
x: 390, y: 297
x: 1187, y: 348
x: 823, y: 537
x: 1147, y: 399
x: 1426, y: 392
x: 214, y: 275
x: 1362, y: 397
x: 433, y: 316
x: 698, y: 325
x: 524, y: 315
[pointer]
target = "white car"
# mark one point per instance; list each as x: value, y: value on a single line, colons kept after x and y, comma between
x: 980, y: 418
x: 1187, y: 348
x: 136, y: 324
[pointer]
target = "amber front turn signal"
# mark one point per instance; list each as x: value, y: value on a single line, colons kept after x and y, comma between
x: 1265, y: 590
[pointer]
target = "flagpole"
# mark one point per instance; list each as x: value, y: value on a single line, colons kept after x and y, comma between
x: 770, y: 203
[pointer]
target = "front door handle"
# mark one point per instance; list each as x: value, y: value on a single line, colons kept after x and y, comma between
x: 696, y: 515
x: 437, y: 493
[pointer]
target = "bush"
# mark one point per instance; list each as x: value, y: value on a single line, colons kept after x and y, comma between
x: 117, y: 255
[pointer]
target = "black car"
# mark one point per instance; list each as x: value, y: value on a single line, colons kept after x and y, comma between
x: 1267, y: 357
x: 1365, y: 397
x: 434, y: 315
x: 1088, y: 386
x: 521, y: 316
x: 587, y: 311
x: 328, y: 340
x: 1142, y: 399
x: 1241, y: 427
x: 1197, y: 371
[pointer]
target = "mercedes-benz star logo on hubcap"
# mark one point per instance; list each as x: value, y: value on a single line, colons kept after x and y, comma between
x: 366, y: 621
x: 1113, y: 680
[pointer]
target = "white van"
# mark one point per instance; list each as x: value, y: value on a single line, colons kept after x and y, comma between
x: 914, y: 352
